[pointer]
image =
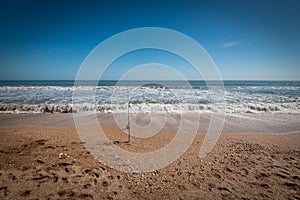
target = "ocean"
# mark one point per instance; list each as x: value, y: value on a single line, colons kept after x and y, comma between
x: 148, y: 96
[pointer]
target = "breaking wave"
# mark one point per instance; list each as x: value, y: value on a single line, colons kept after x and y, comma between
x: 239, y: 97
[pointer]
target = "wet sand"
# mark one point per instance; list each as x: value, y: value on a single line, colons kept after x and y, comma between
x: 42, y: 157
x: 233, y: 123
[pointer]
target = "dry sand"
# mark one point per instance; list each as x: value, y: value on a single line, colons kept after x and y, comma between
x: 50, y: 162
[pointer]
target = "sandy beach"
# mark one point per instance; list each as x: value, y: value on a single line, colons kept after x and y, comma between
x: 48, y: 161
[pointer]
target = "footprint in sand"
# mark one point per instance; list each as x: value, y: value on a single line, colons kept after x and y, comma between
x: 25, y: 193
x: 3, y: 191
x: 38, y: 142
x: 86, y: 186
x: 64, y: 193
x: 105, y: 183
x: 293, y: 186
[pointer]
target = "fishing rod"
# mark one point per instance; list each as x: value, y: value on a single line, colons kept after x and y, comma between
x: 128, y: 106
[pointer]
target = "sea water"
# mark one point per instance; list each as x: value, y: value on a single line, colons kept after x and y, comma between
x: 150, y: 96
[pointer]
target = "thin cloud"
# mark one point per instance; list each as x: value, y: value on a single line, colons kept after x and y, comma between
x: 230, y: 44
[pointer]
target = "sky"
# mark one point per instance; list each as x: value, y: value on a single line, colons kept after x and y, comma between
x: 247, y: 40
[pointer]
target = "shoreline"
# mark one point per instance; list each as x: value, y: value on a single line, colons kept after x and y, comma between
x: 233, y: 123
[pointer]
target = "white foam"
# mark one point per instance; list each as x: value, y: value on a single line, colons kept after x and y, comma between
x: 239, y: 99
x: 287, y: 108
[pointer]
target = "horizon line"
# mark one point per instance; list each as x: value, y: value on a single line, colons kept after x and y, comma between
x: 147, y: 80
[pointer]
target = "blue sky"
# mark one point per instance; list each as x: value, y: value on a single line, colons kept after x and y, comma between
x: 248, y: 40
